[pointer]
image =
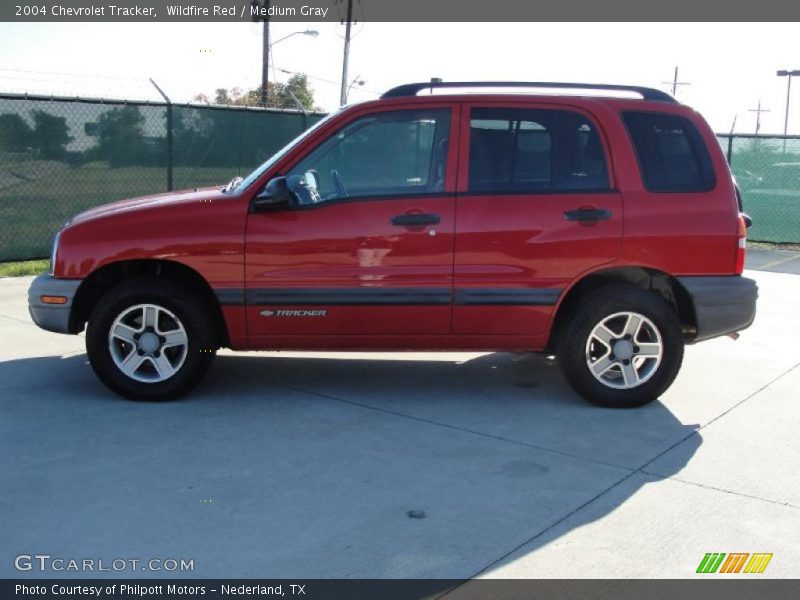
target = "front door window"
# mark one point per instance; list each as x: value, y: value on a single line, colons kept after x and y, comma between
x: 397, y: 153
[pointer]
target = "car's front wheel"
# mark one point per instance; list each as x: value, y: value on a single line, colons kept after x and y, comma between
x: 623, y: 348
x: 149, y: 339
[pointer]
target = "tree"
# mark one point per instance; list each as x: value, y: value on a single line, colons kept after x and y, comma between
x: 232, y: 96
x: 279, y: 95
x: 15, y: 133
x: 50, y: 135
x: 121, y: 141
x: 297, y: 85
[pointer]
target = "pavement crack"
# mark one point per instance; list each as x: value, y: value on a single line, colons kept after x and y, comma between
x: 719, y: 489
x: 717, y: 418
x: 17, y: 320
x: 641, y: 470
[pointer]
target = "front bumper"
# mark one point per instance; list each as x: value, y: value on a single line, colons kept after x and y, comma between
x: 52, y: 317
x: 722, y: 304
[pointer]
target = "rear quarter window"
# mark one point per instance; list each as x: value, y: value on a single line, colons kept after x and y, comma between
x: 672, y: 155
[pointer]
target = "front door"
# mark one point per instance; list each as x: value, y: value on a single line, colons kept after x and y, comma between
x: 535, y: 209
x: 367, y: 248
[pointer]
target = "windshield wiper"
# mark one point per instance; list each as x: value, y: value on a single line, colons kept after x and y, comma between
x: 232, y: 184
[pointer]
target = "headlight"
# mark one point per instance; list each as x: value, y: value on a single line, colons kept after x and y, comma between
x: 53, y: 254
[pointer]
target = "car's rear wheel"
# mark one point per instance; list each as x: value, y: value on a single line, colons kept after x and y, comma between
x: 149, y: 339
x: 622, y: 348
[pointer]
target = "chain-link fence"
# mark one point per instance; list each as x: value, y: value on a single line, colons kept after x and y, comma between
x: 60, y: 156
x: 767, y: 169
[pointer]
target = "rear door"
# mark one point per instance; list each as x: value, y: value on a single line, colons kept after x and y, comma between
x: 536, y: 207
x: 369, y: 247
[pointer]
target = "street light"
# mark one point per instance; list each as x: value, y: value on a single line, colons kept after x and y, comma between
x: 788, y: 74
x: 355, y: 81
x: 263, y: 5
x: 309, y: 32
x: 264, y: 91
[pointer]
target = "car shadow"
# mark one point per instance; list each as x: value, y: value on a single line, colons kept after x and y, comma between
x: 314, y: 466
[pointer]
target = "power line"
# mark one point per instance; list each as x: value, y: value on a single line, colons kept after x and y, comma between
x: 323, y: 80
x: 64, y: 77
x: 87, y: 75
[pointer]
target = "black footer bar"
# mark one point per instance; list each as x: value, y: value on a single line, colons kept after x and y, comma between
x: 707, y: 588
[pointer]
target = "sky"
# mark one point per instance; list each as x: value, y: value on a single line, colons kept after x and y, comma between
x: 729, y: 66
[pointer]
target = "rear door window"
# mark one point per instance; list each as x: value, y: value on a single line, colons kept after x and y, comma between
x: 534, y: 150
x: 672, y: 155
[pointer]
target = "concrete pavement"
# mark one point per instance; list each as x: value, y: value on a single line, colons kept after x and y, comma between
x: 403, y: 465
x: 774, y: 260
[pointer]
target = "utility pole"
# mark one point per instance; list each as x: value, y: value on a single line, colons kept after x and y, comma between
x: 265, y: 57
x: 788, y: 97
x: 257, y: 9
x: 758, y: 112
x: 343, y: 94
x: 789, y: 75
x: 675, y: 83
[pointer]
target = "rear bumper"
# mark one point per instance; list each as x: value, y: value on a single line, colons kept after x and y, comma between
x: 52, y: 317
x: 721, y: 304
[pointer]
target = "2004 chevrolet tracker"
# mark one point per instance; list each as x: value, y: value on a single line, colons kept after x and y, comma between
x: 604, y: 228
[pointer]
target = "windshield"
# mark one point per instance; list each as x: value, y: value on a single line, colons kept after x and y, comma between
x: 248, y: 181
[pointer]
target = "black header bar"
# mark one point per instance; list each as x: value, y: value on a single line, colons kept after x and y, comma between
x: 396, y: 11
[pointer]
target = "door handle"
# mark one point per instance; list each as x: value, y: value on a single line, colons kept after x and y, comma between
x: 415, y: 220
x: 587, y: 214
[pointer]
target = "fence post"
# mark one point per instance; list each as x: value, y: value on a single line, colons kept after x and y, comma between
x: 730, y: 149
x: 301, y: 107
x: 169, y: 134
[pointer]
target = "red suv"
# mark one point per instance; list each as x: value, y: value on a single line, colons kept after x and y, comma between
x: 599, y: 224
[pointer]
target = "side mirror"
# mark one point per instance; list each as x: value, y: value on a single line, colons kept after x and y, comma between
x: 275, y: 193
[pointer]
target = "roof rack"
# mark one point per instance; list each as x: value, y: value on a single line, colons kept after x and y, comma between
x: 411, y: 89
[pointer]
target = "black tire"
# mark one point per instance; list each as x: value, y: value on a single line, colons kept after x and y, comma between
x: 572, y: 350
x: 191, y: 314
